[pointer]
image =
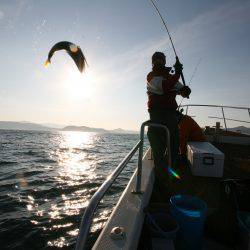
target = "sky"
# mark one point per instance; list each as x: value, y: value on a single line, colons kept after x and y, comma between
x: 118, y: 38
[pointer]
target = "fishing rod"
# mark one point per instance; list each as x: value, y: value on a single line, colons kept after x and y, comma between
x: 170, y: 38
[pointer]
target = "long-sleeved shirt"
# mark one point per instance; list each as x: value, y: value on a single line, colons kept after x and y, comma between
x: 189, y: 130
x: 162, y: 88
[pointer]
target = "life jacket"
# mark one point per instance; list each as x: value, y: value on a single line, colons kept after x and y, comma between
x: 162, y: 88
x: 189, y: 130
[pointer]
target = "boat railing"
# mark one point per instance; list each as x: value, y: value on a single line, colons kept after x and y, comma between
x: 88, y: 215
x: 222, y: 107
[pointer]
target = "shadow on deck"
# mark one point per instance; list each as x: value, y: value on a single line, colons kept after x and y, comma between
x: 221, y: 224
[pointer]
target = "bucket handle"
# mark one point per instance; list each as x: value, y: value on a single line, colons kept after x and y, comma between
x: 154, y: 223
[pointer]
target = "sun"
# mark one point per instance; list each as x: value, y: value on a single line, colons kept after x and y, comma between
x: 79, y: 86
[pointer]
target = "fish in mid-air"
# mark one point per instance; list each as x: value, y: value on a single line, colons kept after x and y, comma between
x: 73, y: 50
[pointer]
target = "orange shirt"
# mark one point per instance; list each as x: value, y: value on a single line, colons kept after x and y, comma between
x: 189, y: 130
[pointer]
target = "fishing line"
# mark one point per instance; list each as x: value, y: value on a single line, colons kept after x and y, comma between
x: 195, y: 70
x: 191, y: 78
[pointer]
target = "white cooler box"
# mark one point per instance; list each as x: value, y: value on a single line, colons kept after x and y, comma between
x: 205, y: 159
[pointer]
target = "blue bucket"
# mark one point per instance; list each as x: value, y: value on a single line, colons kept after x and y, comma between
x: 190, y: 213
x: 162, y: 225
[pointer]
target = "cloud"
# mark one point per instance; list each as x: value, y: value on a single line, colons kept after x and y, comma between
x: 206, y: 26
x: 1, y: 14
x: 190, y: 38
x: 12, y: 10
x: 126, y: 67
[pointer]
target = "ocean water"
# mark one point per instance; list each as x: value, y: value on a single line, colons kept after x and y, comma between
x: 46, y: 180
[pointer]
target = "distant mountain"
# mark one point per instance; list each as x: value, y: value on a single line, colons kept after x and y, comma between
x: 122, y: 131
x: 53, y: 125
x: 98, y: 130
x: 9, y: 125
x: 84, y: 129
x: 241, y: 129
x: 23, y: 126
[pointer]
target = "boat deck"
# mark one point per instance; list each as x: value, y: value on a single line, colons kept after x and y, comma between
x: 236, y: 166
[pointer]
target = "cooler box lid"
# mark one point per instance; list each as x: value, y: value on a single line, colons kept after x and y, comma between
x: 200, y: 148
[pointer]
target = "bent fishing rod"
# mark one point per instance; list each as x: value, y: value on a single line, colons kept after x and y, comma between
x: 170, y: 38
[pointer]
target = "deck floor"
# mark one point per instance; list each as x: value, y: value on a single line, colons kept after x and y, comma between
x: 237, y: 166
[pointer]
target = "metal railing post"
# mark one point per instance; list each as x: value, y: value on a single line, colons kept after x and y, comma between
x: 139, y: 165
x: 222, y: 109
x: 224, y: 118
x: 168, y: 149
x: 187, y: 110
x: 96, y: 198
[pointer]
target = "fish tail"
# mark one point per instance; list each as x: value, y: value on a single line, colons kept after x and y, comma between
x: 47, y: 63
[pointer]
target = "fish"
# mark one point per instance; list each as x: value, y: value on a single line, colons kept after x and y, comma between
x: 73, y: 50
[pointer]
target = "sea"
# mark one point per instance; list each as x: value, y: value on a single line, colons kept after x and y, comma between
x: 47, y: 179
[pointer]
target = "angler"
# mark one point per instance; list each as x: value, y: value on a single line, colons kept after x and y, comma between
x: 162, y: 88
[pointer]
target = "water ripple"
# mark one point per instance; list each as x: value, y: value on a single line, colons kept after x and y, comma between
x: 47, y: 179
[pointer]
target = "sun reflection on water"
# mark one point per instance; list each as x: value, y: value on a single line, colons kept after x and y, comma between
x: 71, y: 172
x: 61, y: 242
x: 73, y: 162
x: 75, y: 171
x: 75, y: 139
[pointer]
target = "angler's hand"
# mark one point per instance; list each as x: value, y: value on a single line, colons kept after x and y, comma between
x: 185, y: 91
x: 178, y: 66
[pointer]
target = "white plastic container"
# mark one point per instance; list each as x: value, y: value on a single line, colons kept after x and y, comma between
x: 205, y: 159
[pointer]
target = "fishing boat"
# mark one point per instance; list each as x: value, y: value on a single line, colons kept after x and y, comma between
x: 126, y: 227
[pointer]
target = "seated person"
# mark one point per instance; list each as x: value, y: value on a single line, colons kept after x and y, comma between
x: 189, y: 130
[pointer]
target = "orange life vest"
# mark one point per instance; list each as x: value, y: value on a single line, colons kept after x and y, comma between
x: 189, y: 130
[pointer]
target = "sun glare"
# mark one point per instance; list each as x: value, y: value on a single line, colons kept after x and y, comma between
x: 75, y: 139
x: 73, y: 159
x: 79, y: 86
